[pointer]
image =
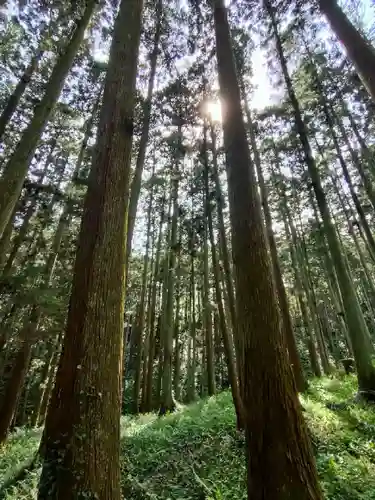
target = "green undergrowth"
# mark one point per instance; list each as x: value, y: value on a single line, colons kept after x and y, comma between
x: 197, y: 454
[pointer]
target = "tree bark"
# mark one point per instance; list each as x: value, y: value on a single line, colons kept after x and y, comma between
x: 270, y: 399
x: 287, y: 324
x: 81, y: 450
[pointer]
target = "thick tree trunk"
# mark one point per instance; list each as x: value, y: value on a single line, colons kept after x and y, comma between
x: 15, y: 170
x: 287, y: 323
x: 359, y: 50
x: 82, y: 434
x: 226, y: 334
x: 357, y: 327
x: 270, y: 399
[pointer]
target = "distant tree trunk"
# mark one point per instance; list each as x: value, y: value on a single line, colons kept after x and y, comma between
x: 84, y: 413
x: 190, y: 393
x: 152, y: 325
x: 137, y: 177
x: 270, y: 399
x: 359, y: 50
x: 22, y: 231
x: 42, y: 410
x: 16, y: 381
x: 15, y: 170
x: 167, y: 402
x: 207, y: 313
x: 330, y: 123
x: 46, y: 381
x: 140, y: 317
x: 18, y: 91
x: 356, y: 323
x: 177, y: 320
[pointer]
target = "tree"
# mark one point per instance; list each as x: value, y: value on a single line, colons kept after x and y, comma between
x: 359, y: 50
x: 268, y: 381
x: 85, y: 407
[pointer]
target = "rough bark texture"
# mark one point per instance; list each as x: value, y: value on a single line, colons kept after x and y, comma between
x: 270, y: 399
x: 82, y: 434
x: 15, y: 170
x: 359, y: 50
x: 287, y: 324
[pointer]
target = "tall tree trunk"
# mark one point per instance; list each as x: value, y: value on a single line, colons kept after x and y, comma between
x: 15, y: 170
x: 15, y: 97
x: 138, y: 327
x: 223, y: 237
x: 167, y: 402
x: 207, y: 312
x: 270, y: 399
x: 359, y: 50
x: 81, y: 442
x: 42, y: 410
x: 287, y: 323
x: 193, y: 333
x: 16, y: 381
x: 357, y: 327
x: 226, y: 334
x: 22, y: 231
x: 330, y: 123
x: 137, y: 177
x: 152, y: 325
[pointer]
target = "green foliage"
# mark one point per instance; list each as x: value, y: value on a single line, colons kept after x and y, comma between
x: 197, y: 453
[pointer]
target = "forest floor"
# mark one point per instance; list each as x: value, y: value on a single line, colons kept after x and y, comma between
x: 197, y: 453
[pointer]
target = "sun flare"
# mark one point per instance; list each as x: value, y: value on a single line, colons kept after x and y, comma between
x: 213, y: 109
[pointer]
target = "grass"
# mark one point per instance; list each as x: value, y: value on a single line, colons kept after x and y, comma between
x: 197, y: 454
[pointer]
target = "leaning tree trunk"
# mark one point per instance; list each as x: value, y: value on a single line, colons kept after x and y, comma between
x: 287, y: 323
x: 270, y: 399
x: 18, y: 91
x: 81, y: 442
x: 357, y: 327
x: 15, y: 170
x: 359, y: 50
